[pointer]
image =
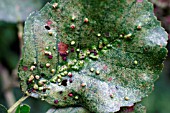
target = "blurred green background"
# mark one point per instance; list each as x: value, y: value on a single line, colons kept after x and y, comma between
x: 12, y: 17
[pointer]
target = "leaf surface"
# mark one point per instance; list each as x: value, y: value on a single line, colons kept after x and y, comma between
x: 102, y: 55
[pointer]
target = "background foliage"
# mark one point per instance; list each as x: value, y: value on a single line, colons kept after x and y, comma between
x: 10, y: 42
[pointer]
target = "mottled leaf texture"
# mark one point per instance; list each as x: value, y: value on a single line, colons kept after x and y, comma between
x: 3, y: 109
x: 17, y: 10
x: 23, y: 109
x: 100, y: 54
x: 68, y: 110
x: 138, y: 108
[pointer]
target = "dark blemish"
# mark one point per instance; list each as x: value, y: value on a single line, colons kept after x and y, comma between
x: 55, y: 101
x: 116, y: 87
x: 107, y: 34
x: 29, y: 82
x: 71, y: 80
x: 44, y: 90
x: 42, y: 75
x: 50, y: 57
x: 60, y: 92
x: 41, y: 66
x: 47, y: 27
x: 64, y: 58
x: 30, y: 90
x: 63, y: 54
x: 65, y: 98
x: 72, y: 49
x: 95, y: 53
x: 64, y: 82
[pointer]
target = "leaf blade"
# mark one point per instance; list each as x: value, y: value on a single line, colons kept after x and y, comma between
x: 122, y: 74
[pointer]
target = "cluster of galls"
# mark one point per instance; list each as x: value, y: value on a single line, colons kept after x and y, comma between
x: 36, y: 83
x: 64, y: 72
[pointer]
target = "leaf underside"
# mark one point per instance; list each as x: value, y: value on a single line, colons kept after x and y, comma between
x: 101, y: 55
x: 138, y: 108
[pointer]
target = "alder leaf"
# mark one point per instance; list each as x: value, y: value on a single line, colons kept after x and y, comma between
x: 23, y: 109
x: 101, y: 55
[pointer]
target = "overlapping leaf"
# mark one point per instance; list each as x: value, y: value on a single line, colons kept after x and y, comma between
x: 102, y: 55
x: 18, y: 10
x: 23, y: 109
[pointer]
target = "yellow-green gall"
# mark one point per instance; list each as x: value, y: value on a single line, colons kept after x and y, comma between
x: 135, y: 62
x: 55, y: 5
x: 73, y: 43
x: 35, y: 86
x: 37, y: 77
x: 47, y: 65
x: 126, y: 98
x: 76, y: 97
x: 97, y: 72
x: 98, y: 34
x: 53, y: 71
x: 83, y: 84
x: 92, y: 69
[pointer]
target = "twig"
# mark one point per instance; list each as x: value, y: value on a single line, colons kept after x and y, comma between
x: 14, y: 76
x: 9, y: 96
x: 13, y: 107
x: 20, y: 30
x: 20, y: 33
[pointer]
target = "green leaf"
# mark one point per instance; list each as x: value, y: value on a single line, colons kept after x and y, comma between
x: 18, y: 10
x: 3, y: 109
x: 23, y: 109
x: 102, y: 55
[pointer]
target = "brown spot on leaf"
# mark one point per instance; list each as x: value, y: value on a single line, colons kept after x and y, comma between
x: 62, y: 49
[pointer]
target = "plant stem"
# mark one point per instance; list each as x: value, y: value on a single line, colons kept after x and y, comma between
x: 7, y: 86
x: 17, y: 103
